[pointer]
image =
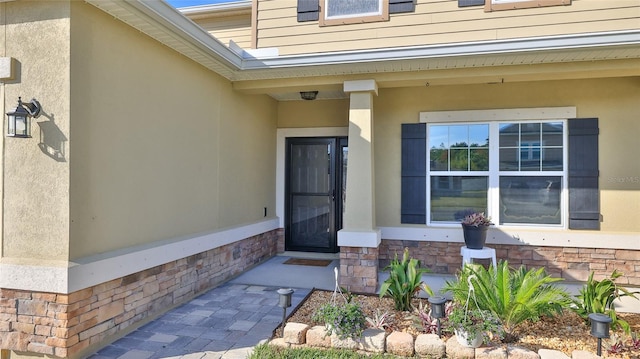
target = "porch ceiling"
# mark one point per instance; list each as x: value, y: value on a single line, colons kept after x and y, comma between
x: 282, y: 77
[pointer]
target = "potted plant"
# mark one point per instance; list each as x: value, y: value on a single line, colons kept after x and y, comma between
x: 341, y: 316
x: 346, y: 320
x: 474, y: 229
x: 472, y: 326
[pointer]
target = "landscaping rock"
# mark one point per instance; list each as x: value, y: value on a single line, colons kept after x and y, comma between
x: 346, y: 343
x: 400, y: 343
x: 295, y: 333
x: 515, y: 352
x: 317, y: 337
x: 430, y: 346
x: 279, y: 342
x: 583, y: 354
x: 455, y: 350
x: 491, y: 352
x: 373, y: 340
x: 552, y: 354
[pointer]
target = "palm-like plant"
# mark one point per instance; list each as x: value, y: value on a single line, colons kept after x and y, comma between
x: 598, y: 297
x: 513, y: 296
x: 405, y: 280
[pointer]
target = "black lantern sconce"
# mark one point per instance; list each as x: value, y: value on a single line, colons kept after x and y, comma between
x: 437, y: 309
x: 18, y: 124
x: 284, y: 303
x: 308, y: 95
x: 600, y: 328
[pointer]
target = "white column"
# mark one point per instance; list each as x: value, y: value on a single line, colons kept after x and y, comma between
x: 359, y: 218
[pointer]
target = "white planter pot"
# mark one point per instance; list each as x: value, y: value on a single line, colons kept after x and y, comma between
x: 463, y: 339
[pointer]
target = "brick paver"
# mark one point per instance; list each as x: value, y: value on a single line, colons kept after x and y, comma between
x: 224, y: 323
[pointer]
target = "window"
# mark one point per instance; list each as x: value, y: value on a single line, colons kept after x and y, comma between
x: 570, y: 180
x: 351, y: 11
x: 531, y: 171
x: 513, y: 170
x: 336, y: 12
x: 459, y: 167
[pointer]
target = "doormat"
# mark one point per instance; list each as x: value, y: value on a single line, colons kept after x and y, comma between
x: 308, y: 262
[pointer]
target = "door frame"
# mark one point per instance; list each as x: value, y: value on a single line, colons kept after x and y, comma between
x: 281, y: 136
x: 333, y: 194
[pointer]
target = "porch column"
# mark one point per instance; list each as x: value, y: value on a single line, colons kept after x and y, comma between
x: 359, y: 239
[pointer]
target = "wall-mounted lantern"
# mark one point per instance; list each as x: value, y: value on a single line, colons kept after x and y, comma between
x: 600, y: 328
x: 18, y: 124
x: 437, y: 309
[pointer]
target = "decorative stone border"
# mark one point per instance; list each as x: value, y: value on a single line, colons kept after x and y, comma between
x: 403, y: 344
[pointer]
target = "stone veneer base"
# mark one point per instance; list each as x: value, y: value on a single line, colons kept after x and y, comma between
x: 573, y: 264
x: 70, y: 325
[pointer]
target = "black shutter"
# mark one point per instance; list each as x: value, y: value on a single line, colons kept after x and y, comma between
x: 308, y: 10
x: 399, y: 6
x: 584, y: 194
x: 414, y: 174
x: 464, y: 3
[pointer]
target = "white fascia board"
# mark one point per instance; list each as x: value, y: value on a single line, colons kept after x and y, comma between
x: 221, y: 7
x: 552, y: 43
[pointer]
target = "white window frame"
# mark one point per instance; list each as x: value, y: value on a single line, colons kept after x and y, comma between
x: 494, y: 118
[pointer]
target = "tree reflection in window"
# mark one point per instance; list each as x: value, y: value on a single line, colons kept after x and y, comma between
x: 461, y: 147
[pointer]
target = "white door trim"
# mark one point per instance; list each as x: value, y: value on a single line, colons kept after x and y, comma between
x: 282, y: 135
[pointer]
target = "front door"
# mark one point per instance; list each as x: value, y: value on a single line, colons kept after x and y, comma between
x: 315, y: 182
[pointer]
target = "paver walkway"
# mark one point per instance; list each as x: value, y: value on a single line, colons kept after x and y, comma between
x: 225, y: 322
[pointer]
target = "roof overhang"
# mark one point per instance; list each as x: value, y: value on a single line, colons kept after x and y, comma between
x: 157, y: 19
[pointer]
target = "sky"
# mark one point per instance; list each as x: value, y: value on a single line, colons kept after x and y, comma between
x: 184, y: 3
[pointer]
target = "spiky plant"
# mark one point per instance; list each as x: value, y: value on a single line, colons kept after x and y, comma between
x: 599, y: 296
x: 512, y: 295
x: 405, y: 280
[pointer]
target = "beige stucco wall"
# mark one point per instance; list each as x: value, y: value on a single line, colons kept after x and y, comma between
x: 613, y: 101
x: 162, y: 147
x: 36, y: 179
x: 318, y: 113
x: 439, y: 22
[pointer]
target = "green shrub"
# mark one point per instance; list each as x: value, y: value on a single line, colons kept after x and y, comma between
x: 598, y: 296
x: 345, y: 320
x: 512, y: 295
x: 405, y: 280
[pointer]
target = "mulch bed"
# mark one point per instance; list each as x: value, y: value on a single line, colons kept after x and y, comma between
x: 565, y: 333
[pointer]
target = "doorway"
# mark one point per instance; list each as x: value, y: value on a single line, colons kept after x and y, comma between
x: 315, y: 183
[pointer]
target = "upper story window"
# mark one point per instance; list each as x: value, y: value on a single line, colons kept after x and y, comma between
x: 336, y: 12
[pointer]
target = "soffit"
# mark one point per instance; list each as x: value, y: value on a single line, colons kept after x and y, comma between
x: 283, y: 76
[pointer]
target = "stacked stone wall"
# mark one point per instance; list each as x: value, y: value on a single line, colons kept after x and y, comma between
x: 359, y: 269
x: 573, y: 264
x: 68, y: 325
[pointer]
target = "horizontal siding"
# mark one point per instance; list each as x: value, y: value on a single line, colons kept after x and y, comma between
x: 440, y: 21
x: 236, y: 28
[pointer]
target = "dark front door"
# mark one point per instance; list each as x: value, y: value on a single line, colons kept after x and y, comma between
x: 315, y: 178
